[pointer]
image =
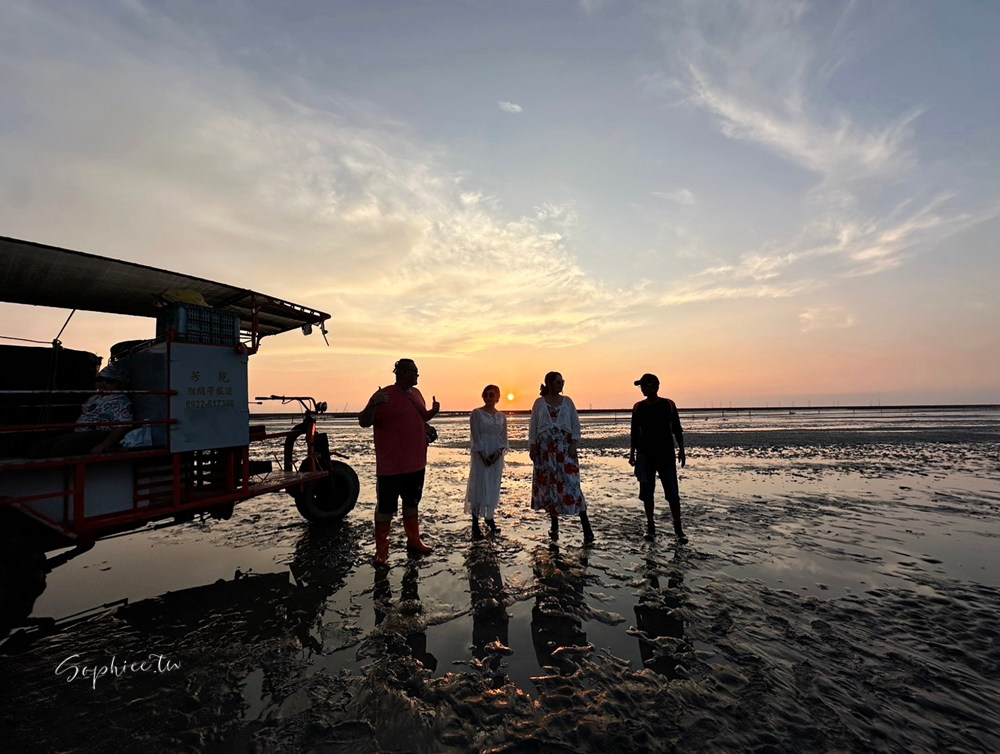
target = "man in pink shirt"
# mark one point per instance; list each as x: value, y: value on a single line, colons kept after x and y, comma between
x: 399, y: 414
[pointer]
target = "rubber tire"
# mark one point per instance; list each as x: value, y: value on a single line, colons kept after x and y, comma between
x: 331, y: 498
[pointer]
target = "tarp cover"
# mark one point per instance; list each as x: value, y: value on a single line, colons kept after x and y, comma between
x: 32, y: 273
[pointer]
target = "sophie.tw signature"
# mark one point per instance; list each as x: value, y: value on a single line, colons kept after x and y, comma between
x: 74, y: 669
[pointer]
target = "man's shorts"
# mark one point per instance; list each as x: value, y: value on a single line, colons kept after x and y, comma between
x: 646, y: 469
x: 389, y: 489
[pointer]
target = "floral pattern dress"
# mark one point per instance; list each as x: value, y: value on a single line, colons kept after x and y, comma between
x: 555, y: 485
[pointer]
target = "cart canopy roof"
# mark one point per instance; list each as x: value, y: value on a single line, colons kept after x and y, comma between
x: 33, y: 273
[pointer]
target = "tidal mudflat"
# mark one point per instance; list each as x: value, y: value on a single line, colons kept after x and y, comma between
x: 839, y: 593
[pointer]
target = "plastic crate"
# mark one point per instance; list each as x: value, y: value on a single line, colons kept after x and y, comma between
x: 199, y: 324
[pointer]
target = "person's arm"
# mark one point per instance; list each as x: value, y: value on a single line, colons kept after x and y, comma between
x: 367, y: 416
x: 435, y: 408
x: 675, y: 427
x: 421, y: 404
x: 111, y: 440
x: 574, y: 427
x: 503, y: 437
x: 477, y: 438
x: 534, y: 426
x: 633, y: 435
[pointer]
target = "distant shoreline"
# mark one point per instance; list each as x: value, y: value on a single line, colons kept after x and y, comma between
x: 734, y: 410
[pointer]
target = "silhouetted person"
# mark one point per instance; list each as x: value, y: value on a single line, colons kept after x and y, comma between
x: 655, y: 426
x: 94, y: 435
x: 553, y: 436
x: 399, y: 415
x: 488, y: 428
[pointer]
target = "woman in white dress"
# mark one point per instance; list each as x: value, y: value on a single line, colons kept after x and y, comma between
x: 489, y: 443
x: 553, y: 435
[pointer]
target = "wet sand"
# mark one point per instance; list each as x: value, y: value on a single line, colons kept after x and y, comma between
x: 839, y: 593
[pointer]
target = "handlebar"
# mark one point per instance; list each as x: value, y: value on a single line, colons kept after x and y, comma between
x: 309, y: 405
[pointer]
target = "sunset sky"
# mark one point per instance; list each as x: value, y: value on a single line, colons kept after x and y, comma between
x: 762, y: 202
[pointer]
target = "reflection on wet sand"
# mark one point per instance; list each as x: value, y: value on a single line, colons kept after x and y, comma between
x: 403, y: 619
x: 557, y: 617
x: 490, y: 620
x: 234, y: 647
x: 659, y: 623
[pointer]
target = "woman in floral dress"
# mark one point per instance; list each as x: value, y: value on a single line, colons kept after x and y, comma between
x: 489, y: 443
x: 553, y: 435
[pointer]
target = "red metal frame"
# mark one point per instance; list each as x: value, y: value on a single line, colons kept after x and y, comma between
x: 164, y: 484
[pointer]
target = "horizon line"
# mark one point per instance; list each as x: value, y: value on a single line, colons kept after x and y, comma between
x: 709, y: 409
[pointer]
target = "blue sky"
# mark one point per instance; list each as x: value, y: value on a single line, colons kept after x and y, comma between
x: 765, y: 202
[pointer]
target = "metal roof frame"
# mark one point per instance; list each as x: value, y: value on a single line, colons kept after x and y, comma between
x: 40, y: 275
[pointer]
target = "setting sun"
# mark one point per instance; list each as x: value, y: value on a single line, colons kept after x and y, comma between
x: 510, y: 396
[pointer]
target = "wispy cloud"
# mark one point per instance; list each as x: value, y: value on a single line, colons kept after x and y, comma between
x: 837, y: 150
x: 199, y: 168
x: 814, y: 319
x: 590, y: 7
x: 763, y: 69
x: 840, y: 246
x: 682, y: 196
x: 762, y: 72
x: 509, y: 107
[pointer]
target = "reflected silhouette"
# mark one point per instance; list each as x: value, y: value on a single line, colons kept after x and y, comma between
x: 23, y: 571
x: 252, y: 606
x: 404, y: 619
x: 232, y: 642
x: 22, y: 580
x: 658, y: 618
x: 324, y: 556
x: 557, y: 617
x: 490, y: 621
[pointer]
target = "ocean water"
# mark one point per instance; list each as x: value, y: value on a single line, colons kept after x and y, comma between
x: 838, y: 593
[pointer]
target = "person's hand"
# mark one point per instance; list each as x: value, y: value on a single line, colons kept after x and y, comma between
x: 681, y: 457
x: 631, y: 458
x: 435, y: 406
x: 533, y: 453
x: 380, y: 398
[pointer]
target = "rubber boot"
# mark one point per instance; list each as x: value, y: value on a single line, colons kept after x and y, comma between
x: 554, y: 529
x: 477, y: 533
x: 588, y: 533
x: 411, y: 524
x: 494, y: 529
x: 382, y: 529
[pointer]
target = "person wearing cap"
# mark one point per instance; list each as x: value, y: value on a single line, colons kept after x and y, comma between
x: 105, y: 418
x: 655, y: 426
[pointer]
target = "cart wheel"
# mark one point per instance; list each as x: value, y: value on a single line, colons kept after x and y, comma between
x: 329, y: 499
